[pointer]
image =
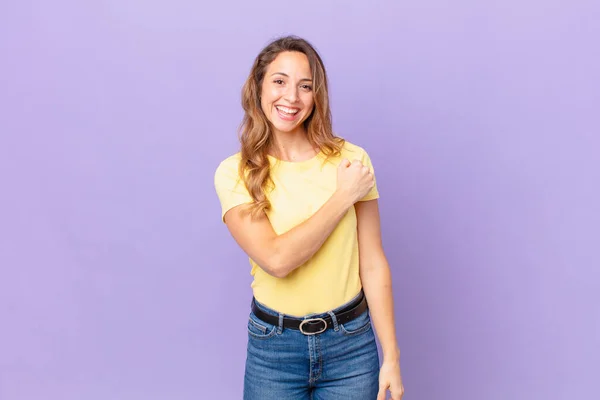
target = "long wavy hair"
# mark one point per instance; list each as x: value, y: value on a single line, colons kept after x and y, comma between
x: 256, y: 132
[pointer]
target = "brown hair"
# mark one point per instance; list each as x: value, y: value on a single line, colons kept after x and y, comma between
x: 255, y: 129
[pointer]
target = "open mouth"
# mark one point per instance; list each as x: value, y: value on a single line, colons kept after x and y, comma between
x: 286, y: 113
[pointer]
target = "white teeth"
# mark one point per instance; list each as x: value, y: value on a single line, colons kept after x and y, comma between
x: 287, y: 110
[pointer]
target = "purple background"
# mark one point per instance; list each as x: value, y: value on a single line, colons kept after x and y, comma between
x: 118, y: 280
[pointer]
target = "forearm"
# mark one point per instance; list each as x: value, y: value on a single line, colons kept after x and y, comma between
x: 296, y: 246
x: 377, y: 285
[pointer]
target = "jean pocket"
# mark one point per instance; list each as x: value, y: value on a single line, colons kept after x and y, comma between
x: 259, y: 329
x: 358, y: 325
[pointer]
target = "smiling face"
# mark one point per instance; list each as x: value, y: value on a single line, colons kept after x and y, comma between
x: 287, y: 97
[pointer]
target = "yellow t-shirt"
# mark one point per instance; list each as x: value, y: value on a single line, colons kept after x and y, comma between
x: 331, y: 277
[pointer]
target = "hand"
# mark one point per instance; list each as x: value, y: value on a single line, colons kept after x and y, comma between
x: 354, y: 180
x: 390, y: 379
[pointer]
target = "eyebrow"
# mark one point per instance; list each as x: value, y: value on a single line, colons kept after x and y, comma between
x: 286, y: 75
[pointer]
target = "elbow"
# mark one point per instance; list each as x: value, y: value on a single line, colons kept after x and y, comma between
x: 278, y: 266
x: 373, y: 265
x: 279, y: 272
x: 276, y: 262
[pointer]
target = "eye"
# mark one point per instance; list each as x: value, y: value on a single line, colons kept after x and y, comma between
x: 307, y: 87
x: 278, y: 81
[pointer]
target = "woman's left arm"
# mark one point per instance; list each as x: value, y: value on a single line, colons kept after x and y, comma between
x: 377, y: 285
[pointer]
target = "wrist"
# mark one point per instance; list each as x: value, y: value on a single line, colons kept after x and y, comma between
x: 342, y: 200
x: 391, y: 356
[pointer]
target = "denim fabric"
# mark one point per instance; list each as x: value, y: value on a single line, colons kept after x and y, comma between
x: 285, y: 364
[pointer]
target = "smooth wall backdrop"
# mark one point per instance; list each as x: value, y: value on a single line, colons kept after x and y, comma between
x: 119, y: 281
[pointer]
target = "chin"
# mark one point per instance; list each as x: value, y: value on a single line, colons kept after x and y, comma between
x: 286, y: 128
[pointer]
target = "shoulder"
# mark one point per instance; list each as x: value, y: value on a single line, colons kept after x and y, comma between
x: 231, y: 162
x: 228, y: 168
x: 352, y: 151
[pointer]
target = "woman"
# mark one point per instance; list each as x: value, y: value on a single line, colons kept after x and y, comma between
x: 302, y: 203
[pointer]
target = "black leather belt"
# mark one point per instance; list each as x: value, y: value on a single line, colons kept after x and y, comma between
x: 313, y: 326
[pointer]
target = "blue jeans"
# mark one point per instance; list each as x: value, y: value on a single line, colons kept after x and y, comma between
x: 285, y: 364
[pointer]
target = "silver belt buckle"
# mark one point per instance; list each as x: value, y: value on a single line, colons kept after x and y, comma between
x: 310, y: 320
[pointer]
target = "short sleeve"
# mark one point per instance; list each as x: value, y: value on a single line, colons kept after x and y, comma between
x: 374, y: 192
x: 229, y: 186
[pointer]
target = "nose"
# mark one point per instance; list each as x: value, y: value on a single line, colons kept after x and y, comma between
x: 291, y: 94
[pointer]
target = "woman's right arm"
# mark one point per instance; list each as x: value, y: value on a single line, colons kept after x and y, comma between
x: 280, y: 254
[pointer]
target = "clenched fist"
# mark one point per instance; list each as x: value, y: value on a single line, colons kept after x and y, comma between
x: 354, y: 180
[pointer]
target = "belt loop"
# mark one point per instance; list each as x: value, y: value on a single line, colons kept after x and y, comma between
x: 334, y: 319
x: 280, y: 325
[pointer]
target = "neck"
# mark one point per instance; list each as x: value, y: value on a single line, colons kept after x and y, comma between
x: 292, y: 146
